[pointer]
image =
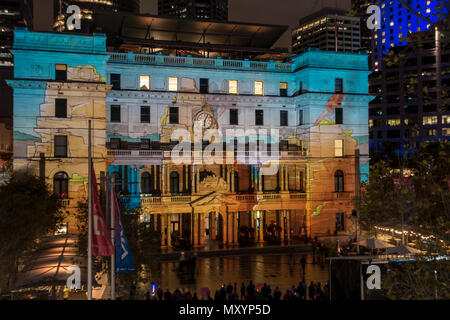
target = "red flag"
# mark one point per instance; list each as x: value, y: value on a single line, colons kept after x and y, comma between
x: 101, y: 238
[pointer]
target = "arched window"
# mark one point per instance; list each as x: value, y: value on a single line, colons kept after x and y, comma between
x: 174, y: 183
x: 117, y: 182
x: 61, y: 185
x: 145, y: 183
x: 339, y: 181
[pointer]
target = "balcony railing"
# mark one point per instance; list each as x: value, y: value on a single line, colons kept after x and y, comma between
x: 132, y: 58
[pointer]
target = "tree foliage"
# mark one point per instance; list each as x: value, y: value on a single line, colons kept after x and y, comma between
x: 29, y: 210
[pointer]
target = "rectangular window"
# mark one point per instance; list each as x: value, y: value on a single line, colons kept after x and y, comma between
x: 204, y: 85
x: 338, y: 85
x: 173, y: 84
x: 233, y: 87
x: 234, y: 117
x: 60, y: 146
x: 173, y: 116
x: 259, y: 117
x: 283, y: 118
x: 115, y: 81
x: 430, y: 120
x: 339, y: 114
x: 393, y: 122
x: 144, y: 83
x: 446, y: 119
x: 445, y: 132
x: 259, y: 88
x: 114, y: 143
x: 338, y: 148
x: 283, y: 89
x: 61, y: 108
x: 145, y: 114
x: 61, y: 72
x: 300, y: 117
x: 145, y: 144
x: 115, y: 113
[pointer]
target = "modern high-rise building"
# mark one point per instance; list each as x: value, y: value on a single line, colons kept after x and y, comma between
x: 397, y: 22
x: 359, y: 9
x: 88, y: 7
x: 206, y: 147
x: 329, y: 29
x: 411, y: 104
x: 194, y: 9
x: 13, y: 13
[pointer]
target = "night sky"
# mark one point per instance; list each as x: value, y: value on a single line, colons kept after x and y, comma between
x: 284, y: 12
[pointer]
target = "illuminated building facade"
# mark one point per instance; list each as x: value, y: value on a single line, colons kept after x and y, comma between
x: 139, y: 103
x: 194, y: 9
x: 320, y: 29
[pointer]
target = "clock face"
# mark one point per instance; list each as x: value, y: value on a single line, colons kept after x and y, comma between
x: 204, y: 120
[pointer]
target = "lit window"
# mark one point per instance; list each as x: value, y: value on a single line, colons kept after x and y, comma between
x: 233, y: 87
x: 393, y: 122
x: 338, y: 148
x: 383, y: 41
x: 370, y: 123
x: 392, y: 23
x: 428, y: 10
x: 430, y: 120
x: 446, y: 119
x: 446, y: 132
x: 144, y: 83
x: 173, y: 83
x: 259, y: 88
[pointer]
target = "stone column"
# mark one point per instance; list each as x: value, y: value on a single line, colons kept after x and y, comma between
x: 195, y: 229
x: 261, y: 229
x: 280, y: 222
x: 236, y: 227
x: 201, y: 217
x: 212, y: 230
x: 260, y: 185
x: 288, y: 224
x: 197, y: 178
x: 224, y: 227
x: 163, y: 232
x: 169, y: 230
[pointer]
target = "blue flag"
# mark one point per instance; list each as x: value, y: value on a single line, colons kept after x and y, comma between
x: 124, y: 259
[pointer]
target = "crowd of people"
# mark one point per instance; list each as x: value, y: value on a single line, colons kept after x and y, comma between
x: 249, y: 292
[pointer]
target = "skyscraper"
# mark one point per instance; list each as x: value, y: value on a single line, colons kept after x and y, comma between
x: 329, y: 29
x: 411, y: 104
x: 13, y: 13
x: 88, y: 7
x: 195, y: 9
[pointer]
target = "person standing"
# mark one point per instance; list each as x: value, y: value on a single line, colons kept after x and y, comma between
x: 311, y: 290
x: 242, y: 291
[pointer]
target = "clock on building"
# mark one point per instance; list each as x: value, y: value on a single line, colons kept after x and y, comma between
x: 205, y: 120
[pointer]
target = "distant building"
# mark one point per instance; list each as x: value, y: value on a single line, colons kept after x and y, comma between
x: 173, y: 36
x: 359, y: 9
x: 397, y: 22
x: 329, y: 29
x: 194, y: 9
x: 88, y: 7
x: 411, y: 104
x: 13, y: 13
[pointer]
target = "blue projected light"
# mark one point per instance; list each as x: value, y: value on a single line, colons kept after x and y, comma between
x: 397, y: 21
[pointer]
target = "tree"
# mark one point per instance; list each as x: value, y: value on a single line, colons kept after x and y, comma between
x: 29, y: 210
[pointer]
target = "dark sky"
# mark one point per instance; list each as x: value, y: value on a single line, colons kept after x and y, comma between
x: 284, y: 12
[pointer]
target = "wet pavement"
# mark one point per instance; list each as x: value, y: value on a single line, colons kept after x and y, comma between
x: 282, y: 270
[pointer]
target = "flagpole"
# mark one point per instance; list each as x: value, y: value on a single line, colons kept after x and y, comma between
x: 89, y: 276
x: 113, y: 257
